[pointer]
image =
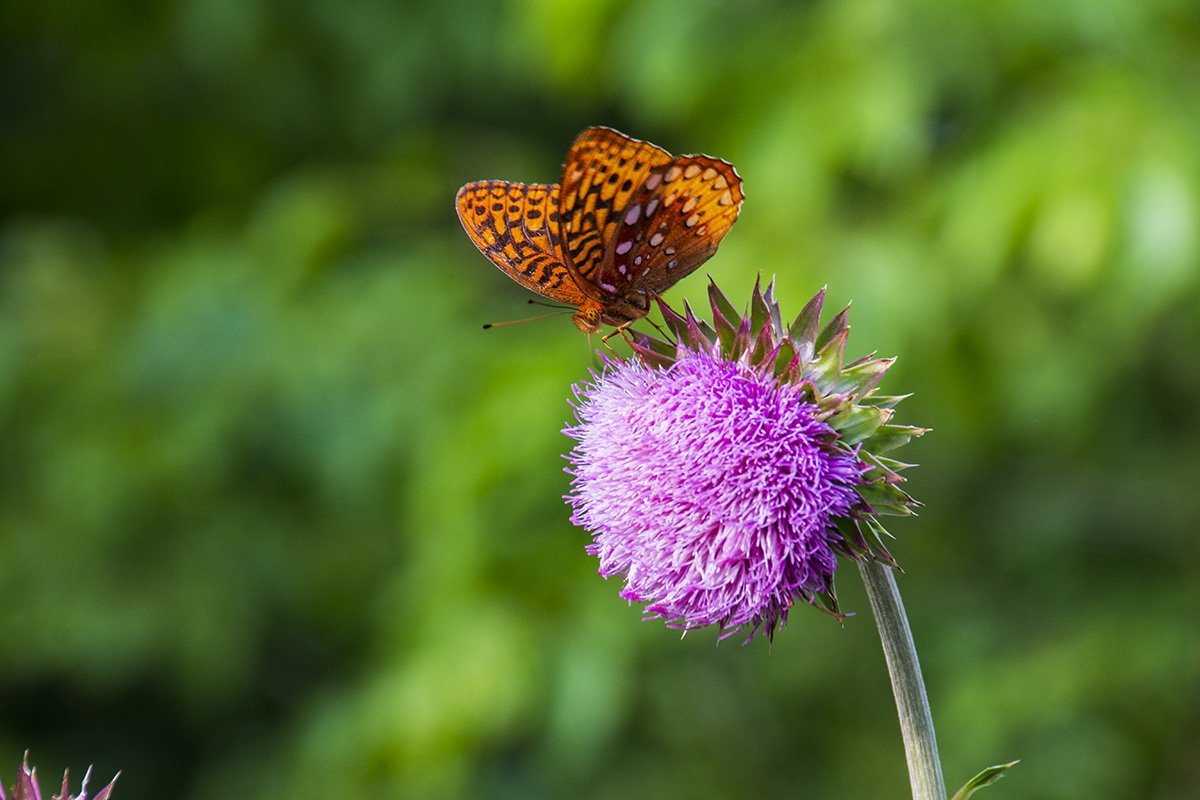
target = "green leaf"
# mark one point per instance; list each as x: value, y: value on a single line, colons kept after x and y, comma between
x: 985, y: 778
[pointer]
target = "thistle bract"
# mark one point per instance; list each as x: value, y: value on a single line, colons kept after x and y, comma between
x: 722, y: 471
x: 27, y: 788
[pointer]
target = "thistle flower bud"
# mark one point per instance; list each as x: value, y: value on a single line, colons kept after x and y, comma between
x: 27, y: 788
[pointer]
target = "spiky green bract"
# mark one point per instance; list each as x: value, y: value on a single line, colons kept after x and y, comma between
x: 811, y: 357
x: 27, y: 788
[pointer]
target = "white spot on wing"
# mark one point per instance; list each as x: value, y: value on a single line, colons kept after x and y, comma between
x: 653, y: 181
x: 692, y: 171
x: 624, y: 247
x: 656, y: 240
x: 633, y: 214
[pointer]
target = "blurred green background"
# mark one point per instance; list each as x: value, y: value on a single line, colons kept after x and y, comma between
x: 278, y: 519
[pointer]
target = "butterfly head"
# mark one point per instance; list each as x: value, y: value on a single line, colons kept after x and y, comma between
x: 587, y: 318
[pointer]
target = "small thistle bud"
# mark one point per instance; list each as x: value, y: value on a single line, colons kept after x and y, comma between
x: 723, y: 469
x: 27, y: 788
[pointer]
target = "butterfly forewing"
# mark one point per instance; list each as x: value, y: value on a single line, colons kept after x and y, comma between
x: 604, y: 169
x: 516, y: 225
x: 672, y: 224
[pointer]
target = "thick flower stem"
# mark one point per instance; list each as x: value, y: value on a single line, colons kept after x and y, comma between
x: 916, y: 723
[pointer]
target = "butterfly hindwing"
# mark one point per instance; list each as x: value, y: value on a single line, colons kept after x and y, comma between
x: 672, y: 225
x: 516, y: 225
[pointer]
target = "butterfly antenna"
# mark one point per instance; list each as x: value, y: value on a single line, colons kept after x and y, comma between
x: 491, y: 325
x: 531, y: 301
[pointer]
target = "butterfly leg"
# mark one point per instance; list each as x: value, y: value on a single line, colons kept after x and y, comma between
x: 604, y: 341
x: 666, y: 336
x: 623, y: 331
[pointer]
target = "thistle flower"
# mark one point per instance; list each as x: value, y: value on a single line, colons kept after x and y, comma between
x: 722, y: 471
x: 26, y: 787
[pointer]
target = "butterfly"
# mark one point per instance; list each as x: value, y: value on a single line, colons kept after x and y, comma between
x: 626, y: 222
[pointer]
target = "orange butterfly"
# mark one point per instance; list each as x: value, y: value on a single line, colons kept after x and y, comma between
x: 626, y: 223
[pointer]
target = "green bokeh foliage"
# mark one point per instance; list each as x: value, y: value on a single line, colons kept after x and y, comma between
x: 277, y: 519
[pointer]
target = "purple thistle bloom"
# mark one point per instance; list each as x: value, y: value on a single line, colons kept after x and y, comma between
x: 711, y: 486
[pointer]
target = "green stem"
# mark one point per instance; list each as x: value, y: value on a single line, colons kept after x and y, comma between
x: 916, y: 723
